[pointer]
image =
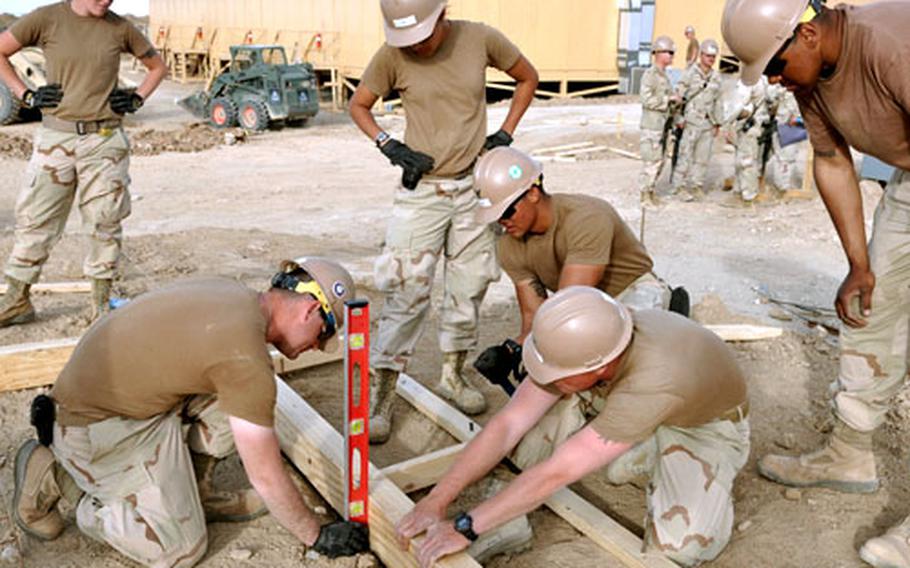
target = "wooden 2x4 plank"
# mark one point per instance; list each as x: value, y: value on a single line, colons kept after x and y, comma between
x: 423, y: 471
x: 585, y: 517
x: 31, y: 365
x: 82, y: 287
x: 317, y: 450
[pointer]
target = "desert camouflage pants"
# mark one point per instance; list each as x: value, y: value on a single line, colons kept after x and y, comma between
x: 694, y: 155
x: 747, y: 163
x: 140, y: 489
x: 90, y: 170
x: 874, y: 359
x: 691, y: 470
x: 781, y: 168
x: 652, y: 159
x: 646, y: 293
x: 432, y: 223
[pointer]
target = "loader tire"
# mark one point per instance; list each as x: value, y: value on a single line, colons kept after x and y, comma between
x: 254, y: 116
x: 222, y: 112
x: 9, y: 106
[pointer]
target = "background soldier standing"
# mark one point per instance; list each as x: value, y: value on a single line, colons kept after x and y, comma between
x: 81, y: 152
x: 438, y: 66
x: 781, y: 167
x: 747, y: 160
x: 657, y: 100
x: 700, y: 90
x: 692, y: 47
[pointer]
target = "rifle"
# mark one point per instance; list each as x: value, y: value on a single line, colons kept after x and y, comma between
x: 766, y: 140
x: 677, y: 138
x: 678, y: 130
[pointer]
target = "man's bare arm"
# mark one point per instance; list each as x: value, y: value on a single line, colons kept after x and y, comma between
x: 581, y: 275
x: 9, y: 46
x: 261, y: 456
x: 526, y: 79
x: 360, y: 108
x: 531, y: 295
x: 840, y: 192
x: 157, y: 71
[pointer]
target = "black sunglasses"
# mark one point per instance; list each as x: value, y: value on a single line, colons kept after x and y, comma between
x: 776, y: 65
x: 510, y: 210
x: 328, y: 330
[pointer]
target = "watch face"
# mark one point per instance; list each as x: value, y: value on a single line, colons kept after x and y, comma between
x: 463, y: 522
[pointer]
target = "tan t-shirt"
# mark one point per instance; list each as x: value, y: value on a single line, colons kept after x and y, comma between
x: 675, y: 373
x: 866, y: 102
x: 200, y: 336
x: 444, y: 96
x: 83, y: 55
x: 585, y: 230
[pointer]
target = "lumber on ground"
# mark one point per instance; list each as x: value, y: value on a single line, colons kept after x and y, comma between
x: 561, y: 148
x: 423, y: 471
x: 318, y: 451
x: 745, y: 332
x: 83, y: 287
x: 30, y: 365
x: 585, y: 517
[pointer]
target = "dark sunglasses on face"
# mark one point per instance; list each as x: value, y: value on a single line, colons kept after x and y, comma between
x: 667, y: 51
x: 776, y: 66
x: 329, y: 328
x: 510, y: 210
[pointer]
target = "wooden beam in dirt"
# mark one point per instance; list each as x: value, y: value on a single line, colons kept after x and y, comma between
x: 31, y: 365
x: 317, y: 450
x: 745, y: 332
x: 57, y: 287
x: 585, y: 517
x: 423, y: 471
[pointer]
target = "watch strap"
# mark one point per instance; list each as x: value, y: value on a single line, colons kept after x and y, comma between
x: 464, y: 525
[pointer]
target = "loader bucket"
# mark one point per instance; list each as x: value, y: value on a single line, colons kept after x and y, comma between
x: 197, y: 104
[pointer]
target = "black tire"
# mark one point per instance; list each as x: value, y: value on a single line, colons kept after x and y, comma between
x: 9, y: 106
x: 222, y: 112
x: 253, y: 116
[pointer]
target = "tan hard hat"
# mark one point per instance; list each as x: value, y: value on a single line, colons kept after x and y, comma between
x: 709, y: 47
x: 335, y: 285
x: 407, y: 22
x: 690, y: 30
x: 501, y: 176
x: 663, y: 43
x: 579, y: 329
x: 756, y: 29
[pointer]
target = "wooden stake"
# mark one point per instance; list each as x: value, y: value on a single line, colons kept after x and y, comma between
x: 57, y: 287
x: 745, y: 332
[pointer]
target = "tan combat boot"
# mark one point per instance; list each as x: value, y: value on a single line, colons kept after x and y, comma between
x: 650, y: 199
x: 382, y: 401
x: 15, y: 306
x: 891, y: 550
x: 224, y: 506
x: 453, y: 386
x: 512, y: 537
x: 846, y: 463
x: 37, y: 489
x: 101, y: 297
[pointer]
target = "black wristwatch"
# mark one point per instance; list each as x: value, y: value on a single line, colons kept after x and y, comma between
x: 464, y: 524
x: 382, y: 138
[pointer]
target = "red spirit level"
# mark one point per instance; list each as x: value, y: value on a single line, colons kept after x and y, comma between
x: 357, y: 410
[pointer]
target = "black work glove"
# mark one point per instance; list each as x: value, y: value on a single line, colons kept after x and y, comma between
x: 342, y: 538
x: 497, y: 362
x: 47, y: 96
x: 125, y: 100
x: 414, y: 164
x: 498, y: 138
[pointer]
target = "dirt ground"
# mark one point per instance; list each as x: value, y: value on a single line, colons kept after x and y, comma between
x: 202, y: 207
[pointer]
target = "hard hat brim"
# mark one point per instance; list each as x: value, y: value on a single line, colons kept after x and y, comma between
x: 406, y: 37
x: 492, y: 213
x: 751, y: 74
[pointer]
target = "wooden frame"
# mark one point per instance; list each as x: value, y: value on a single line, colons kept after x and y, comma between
x: 31, y: 365
x: 318, y: 451
x: 586, y: 518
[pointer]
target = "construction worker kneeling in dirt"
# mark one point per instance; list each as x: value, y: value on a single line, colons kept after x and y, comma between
x: 156, y: 394
x: 81, y: 154
x: 438, y: 67
x: 847, y: 68
x: 557, y: 240
x: 644, y: 392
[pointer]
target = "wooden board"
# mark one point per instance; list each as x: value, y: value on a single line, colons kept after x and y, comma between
x: 745, y: 332
x: 83, y: 287
x: 423, y: 471
x: 31, y: 365
x: 318, y: 451
x: 586, y: 518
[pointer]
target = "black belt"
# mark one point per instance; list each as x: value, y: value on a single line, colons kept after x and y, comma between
x: 80, y: 127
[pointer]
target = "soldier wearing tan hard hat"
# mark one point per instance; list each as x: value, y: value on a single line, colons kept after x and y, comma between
x: 635, y: 392
x: 438, y: 67
x: 658, y: 102
x: 692, y: 49
x: 847, y: 67
x: 187, y: 380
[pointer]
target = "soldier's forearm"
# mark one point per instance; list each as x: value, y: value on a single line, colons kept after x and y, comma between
x: 10, y: 78
x: 157, y: 71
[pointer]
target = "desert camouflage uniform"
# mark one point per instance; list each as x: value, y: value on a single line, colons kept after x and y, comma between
x: 435, y: 221
x: 874, y: 359
x: 140, y: 490
x: 691, y: 470
x: 748, y: 131
x: 704, y: 112
x: 93, y: 171
x: 647, y: 292
x: 655, y: 108
x: 781, y: 166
